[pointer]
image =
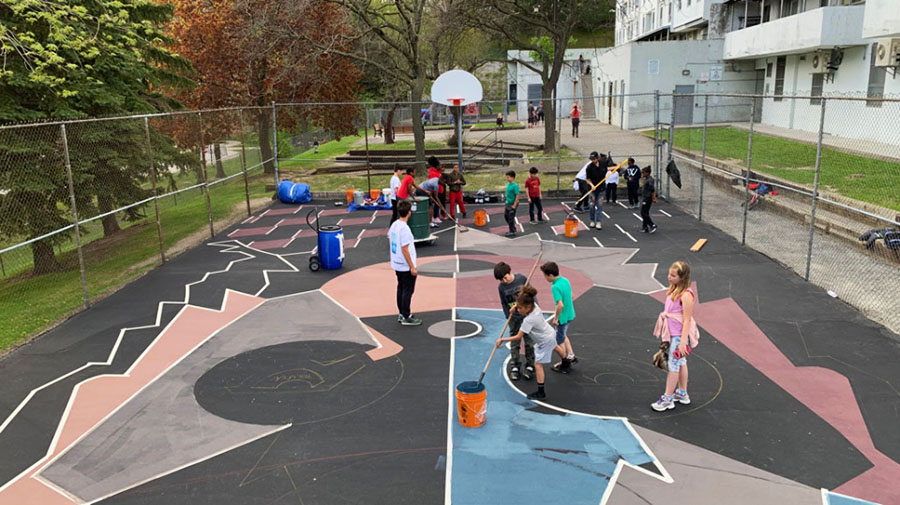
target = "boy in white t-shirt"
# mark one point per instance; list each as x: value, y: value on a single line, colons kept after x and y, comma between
x: 612, y: 184
x: 403, y: 261
x: 395, y: 189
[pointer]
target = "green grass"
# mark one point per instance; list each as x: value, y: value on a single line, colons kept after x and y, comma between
x: 402, y: 144
x: 857, y: 177
x: 28, y: 304
x: 594, y: 39
x: 327, y: 151
x: 491, y: 126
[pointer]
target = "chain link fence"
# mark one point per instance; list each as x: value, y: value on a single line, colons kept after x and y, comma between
x: 812, y: 182
x: 89, y: 205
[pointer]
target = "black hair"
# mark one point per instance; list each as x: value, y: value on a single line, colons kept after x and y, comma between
x: 631, y: 160
x: 397, y: 167
x: 550, y: 268
x: 411, y: 171
x: 403, y: 208
x: 511, y: 173
x: 433, y: 161
x: 526, y: 297
x: 533, y: 170
x: 646, y: 170
x: 501, y: 269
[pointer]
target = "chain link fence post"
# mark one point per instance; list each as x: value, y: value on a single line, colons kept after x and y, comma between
x: 75, y: 221
x: 159, y: 232
x: 622, y: 109
x: 815, y: 194
x: 209, y: 217
x: 747, y: 173
x: 703, y: 157
x: 275, y: 142
x: 669, y: 148
x: 244, y: 161
x: 656, y: 129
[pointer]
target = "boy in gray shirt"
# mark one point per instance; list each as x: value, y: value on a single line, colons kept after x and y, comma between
x: 509, y: 287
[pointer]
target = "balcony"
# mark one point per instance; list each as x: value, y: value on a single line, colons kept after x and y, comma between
x: 821, y: 28
x: 882, y: 19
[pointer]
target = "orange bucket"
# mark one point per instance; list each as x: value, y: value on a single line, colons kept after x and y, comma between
x: 480, y: 217
x: 350, y: 195
x: 571, y: 227
x: 375, y: 193
x: 471, y: 404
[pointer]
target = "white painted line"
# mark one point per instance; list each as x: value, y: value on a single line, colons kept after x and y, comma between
x: 666, y: 213
x: 545, y: 216
x: 598, y: 242
x: 639, y: 218
x: 554, y: 230
x: 448, y: 475
x: 298, y: 209
x: 606, y: 215
x: 374, y: 215
x: 622, y: 204
x: 488, y: 216
x: 339, y: 222
x: 276, y: 225
x: 296, y: 234
x: 626, y: 233
x: 359, y: 237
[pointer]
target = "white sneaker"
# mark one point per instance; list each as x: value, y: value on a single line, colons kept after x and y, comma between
x: 663, y: 404
x: 437, y: 220
x: 591, y: 225
x: 599, y: 226
x: 433, y: 224
x: 684, y: 399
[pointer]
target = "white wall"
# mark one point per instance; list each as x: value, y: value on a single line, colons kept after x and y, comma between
x: 852, y: 119
x: 882, y: 19
x: 565, y: 91
x: 630, y: 62
x: 688, y: 13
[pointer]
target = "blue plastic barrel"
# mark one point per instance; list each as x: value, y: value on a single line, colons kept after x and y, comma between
x: 331, y: 247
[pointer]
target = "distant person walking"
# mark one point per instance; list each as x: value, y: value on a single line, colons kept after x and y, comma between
x: 533, y: 186
x: 403, y: 261
x: 676, y: 325
x: 512, y: 202
x: 648, y: 194
x: 633, y: 181
x: 576, y: 118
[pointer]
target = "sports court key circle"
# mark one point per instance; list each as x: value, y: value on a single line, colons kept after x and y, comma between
x: 451, y: 329
x: 297, y: 382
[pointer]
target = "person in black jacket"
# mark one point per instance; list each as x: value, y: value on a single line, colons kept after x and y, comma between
x: 633, y: 181
x: 649, y: 196
x: 596, y: 172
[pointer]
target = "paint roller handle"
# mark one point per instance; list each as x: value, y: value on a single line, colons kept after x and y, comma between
x: 608, y: 173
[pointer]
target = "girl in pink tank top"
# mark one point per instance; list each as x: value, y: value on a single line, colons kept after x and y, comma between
x: 677, y: 315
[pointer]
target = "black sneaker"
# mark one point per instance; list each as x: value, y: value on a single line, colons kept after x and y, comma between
x: 411, y: 321
x: 510, y: 234
x: 464, y: 214
x: 653, y: 229
x: 528, y: 374
x: 514, y: 373
x: 573, y: 360
x: 561, y: 367
x: 537, y: 395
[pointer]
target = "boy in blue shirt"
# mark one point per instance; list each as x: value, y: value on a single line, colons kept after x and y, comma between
x: 565, y: 314
x: 512, y: 202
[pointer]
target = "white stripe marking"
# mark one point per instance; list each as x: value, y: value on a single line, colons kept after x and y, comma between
x: 606, y: 215
x: 666, y: 213
x: 622, y: 204
x: 598, y: 242
x: 639, y: 218
x: 626, y: 233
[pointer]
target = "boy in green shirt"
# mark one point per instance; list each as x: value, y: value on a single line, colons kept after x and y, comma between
x: 512, y: 202
x: 564, y: 315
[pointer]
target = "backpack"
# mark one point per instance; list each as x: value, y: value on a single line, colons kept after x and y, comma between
x: 892, y: 240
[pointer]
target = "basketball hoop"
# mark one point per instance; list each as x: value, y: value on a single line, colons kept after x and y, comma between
x: 456, y: 102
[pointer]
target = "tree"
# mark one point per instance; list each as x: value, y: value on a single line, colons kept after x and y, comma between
x: 74, y: 59
x: 409, y: 42
x: 541, y: 28
x: 254, y: 52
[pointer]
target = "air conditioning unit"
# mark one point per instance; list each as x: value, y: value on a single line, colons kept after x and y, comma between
x: 820, y: 62
x: 887, y: 53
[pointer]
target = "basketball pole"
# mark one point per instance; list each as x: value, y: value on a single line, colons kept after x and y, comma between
x: 459, y: 143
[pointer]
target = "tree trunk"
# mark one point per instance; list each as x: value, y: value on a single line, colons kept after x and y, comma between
x: 388, y: 126
x: 418, y: 87
x: 264, y: 125
x: 110, y: 223
x: 549, y: 121
x: 217, y: 152
x: 43, y: 257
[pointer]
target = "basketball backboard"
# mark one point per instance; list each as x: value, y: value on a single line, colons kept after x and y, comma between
x: 454, y: 85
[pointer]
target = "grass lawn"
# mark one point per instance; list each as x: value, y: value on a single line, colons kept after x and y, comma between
x: 491, y: 126
x: 864, y: 179
x: 30, y: 304
x: 402, y: 144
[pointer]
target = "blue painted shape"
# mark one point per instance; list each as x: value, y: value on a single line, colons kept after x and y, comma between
x: 521, y: 456
x: 839, y: 499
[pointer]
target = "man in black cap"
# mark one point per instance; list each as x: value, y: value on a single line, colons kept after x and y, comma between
x: 596, y: 172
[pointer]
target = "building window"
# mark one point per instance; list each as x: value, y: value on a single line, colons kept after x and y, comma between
x: 876, y: 80
x: 818, y: 82
x: 768, y: 70
x: 779, y: 77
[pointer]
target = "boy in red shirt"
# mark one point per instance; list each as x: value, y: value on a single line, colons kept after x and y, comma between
x: 406, y: 185
x: 533, y: 185
x: 436, y: 171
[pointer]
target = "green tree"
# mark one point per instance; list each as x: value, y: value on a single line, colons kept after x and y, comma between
x: 74, y: 59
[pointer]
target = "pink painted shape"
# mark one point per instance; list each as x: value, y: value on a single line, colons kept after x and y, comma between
x: 375, y: 232
x: 496, y: 210
x: 248, y: 232
x: 270, y: 244
x: 356, y: 221
x: 554, y: 208
x: 296, y: 221
x: 827, y: 393
x: 481, y: 292
x: 96, y: 398
x: 503, y: 230
x: 334, y: 212
x: 432, y: 293
x: 282, y: 212
x: 388, y: 347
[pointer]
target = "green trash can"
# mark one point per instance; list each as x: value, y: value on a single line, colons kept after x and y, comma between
x: 419, y: 220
